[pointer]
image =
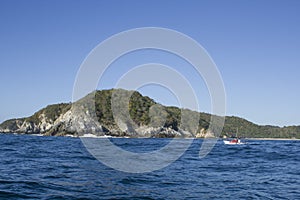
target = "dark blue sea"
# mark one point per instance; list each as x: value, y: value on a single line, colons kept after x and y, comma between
x: 34, y: 167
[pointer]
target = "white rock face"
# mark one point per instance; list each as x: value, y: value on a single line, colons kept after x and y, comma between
x: 79, y: 122
x: 26, y: 127
x: 45, y: 124
x: 205, y: 134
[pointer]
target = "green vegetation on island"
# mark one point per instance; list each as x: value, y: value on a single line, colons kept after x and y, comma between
x: 58, y: 119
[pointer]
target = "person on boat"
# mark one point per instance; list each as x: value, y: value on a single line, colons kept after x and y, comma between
x: 234, y: 141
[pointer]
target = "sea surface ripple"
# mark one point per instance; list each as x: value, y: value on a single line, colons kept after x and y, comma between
x: 35, y: 167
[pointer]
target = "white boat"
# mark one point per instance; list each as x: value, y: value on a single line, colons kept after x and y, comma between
x: 233, y: 142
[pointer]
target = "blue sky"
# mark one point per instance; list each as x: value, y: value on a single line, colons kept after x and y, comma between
x: 255, y: 45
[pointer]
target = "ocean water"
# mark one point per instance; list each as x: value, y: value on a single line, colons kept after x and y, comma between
x: 34, y: 167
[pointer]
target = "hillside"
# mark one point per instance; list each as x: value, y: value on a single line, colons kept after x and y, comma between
x: 95, y: 114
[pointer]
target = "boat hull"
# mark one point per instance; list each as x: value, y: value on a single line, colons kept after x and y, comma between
x: 232, y: 143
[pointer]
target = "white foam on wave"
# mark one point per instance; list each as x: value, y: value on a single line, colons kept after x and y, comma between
x: 89, y: 135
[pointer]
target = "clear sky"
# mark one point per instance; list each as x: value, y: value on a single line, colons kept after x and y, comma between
x: 255, y: 44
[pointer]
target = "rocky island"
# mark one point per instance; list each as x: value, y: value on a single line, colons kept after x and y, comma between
x: 94, y: 114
